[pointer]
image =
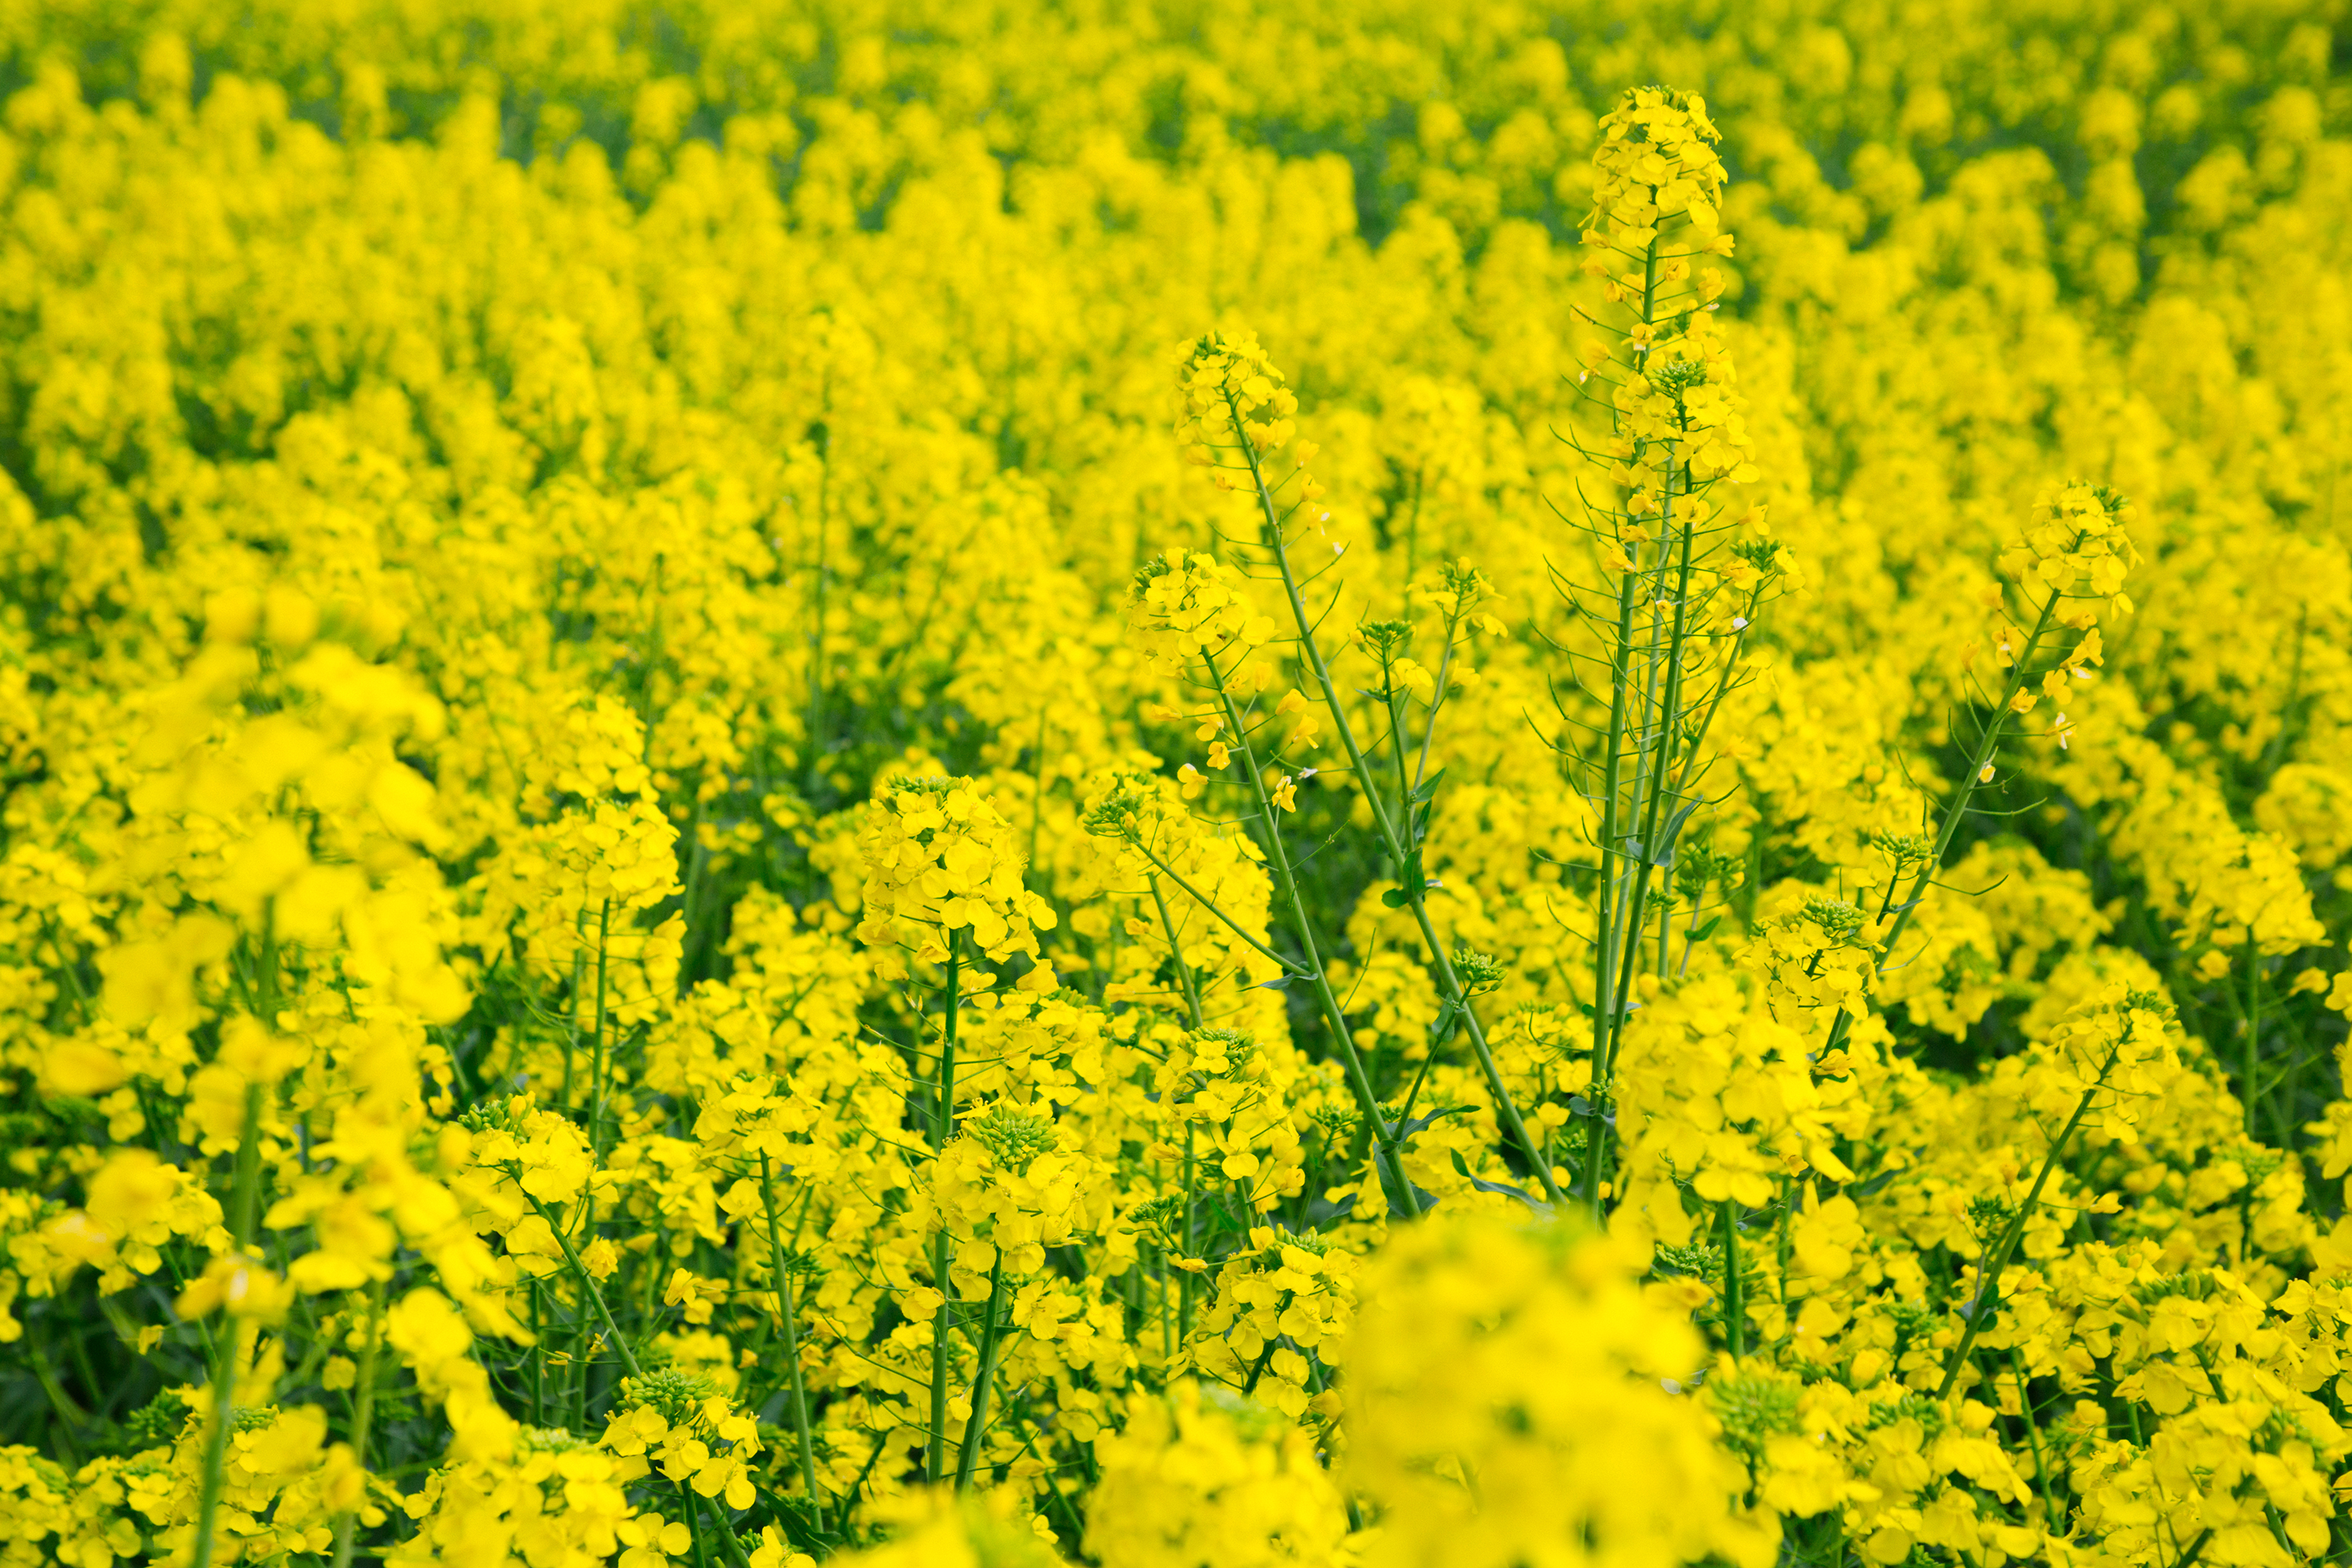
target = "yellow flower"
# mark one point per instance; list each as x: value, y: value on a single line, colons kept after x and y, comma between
x: 1475, y: 1461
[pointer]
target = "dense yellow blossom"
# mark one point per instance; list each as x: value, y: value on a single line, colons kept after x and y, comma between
x: 1175, y: 785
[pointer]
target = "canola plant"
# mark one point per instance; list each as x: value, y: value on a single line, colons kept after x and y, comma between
x: 1175, y: 783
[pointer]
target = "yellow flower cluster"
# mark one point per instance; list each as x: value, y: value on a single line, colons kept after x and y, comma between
x: 939, y: 861
x: 1175, y: 785
x: 1516, y: 1394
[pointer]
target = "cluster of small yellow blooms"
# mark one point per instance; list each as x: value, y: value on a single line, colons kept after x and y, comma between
x: 1200, y: 1476
x: 1603, y: 1457
x: 940, y: 861
x: 1168, y: 785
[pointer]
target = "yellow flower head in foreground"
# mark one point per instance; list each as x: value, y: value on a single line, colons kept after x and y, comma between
x: 1205, y: 1476
x: 937, y: 1532
x: 1513, y: 1395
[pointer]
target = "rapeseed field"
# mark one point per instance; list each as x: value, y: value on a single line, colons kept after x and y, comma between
x: 1175, y: 784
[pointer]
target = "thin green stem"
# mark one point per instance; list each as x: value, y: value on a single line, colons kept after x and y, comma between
x: 1413, y: 530
x: 1781, y: 1254
x: 1989, y: 1270
x: 1185, y: 977
x: 1184, y: 1285
x: 241, y: 1207
x: 693, y: 1526
x: 1210, y: 904
x: 1605, y: 935
x: 1395, y: 705
x: 2254, y: 1029
x: 538, y: 1361
x: 789, y: 1313
x: 2050, y: 1508
x: 1037, y: 787
x: 1735, y: 1304
x: 1334, y: 1018
x: 363, y: 1421
x: 596, y: 1038
x: 588, y: 1283
x: 728, y: 1547
x: 571, y: 1011
x: 942, y: 1129
x: 1979, y: 761
x: 991, y: 1332
x: 1507, y: 1109
x: 823, y: 578
x: 1265, y: 1351
x: 1403, y: 853
x: 244, y: 1207
x: 1438, y: 692
x: 1608, y: 1000
x: 1654, y: 757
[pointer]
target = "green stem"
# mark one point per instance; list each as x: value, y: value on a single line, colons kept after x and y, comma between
x: 1265, y: 1354
x: 596, y: 1297
x: 1604, y: 907
x: 1437, y: 694
x: 728, y: 1547
x: 693, y: 1526
x: 1207, y: 903
x: 2254, y: 1029
x: 1413, y: 531
x: 538, y: 1360
x: 70, y: 1416
x: 1505, y: 1107
x: 1397, y: 747
x: 1286, y: 887
x: 596, y: 1038
x: 1735, y: 1305
x: 990, y: 1334
x: 1977, y: 761
x: 2034, y: 1435
x: 571, y: 1011
x: 1982, y: 755
x: 363, y: 1422
x: 1609, y: 932
x: 1038, y: 788
x: 1184, y: 1285
x: 942, y: 1129
x: 1780, y: 1257
x: 784, y: 1308
x: 1653, y: 759
x: 824, y: 577
x: 1988, y: 1272
x: 1185, y: 977
x: 244, y: 1206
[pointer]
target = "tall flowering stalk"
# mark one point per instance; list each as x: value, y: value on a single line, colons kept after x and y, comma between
x: 2067, y: 570
x: 943, y: 882
x: 1192, y: 613
x: 1234, y: 417
x: 1680, y: 578
x: 2103, y: 1048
